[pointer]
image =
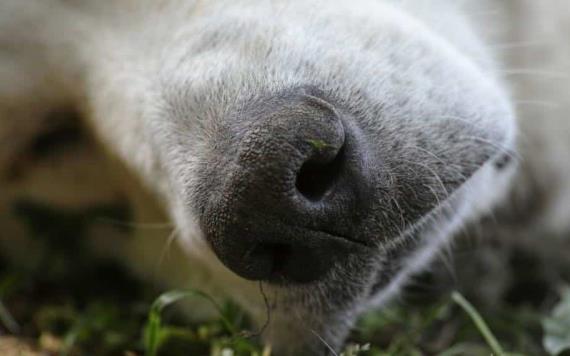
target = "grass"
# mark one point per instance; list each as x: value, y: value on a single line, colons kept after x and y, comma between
x: 8, y: 320
x: 73, y: 303
x: 446, y: 328
x: 479, y: 323
x: 155, y: 332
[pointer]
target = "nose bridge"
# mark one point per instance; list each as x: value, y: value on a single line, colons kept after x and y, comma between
x: 292, y: 118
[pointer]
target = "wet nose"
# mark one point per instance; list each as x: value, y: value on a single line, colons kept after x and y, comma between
x: 288, y: 193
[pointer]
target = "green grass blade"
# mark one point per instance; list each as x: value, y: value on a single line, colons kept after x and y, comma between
x: 479, y: 323
x: 71, y: 338
x: 154, y: 323
x: 7, y: 319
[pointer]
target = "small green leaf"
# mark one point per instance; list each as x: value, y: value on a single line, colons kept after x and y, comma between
x: 557, y: 326
x: 154, y: 330
x: 318, y: 144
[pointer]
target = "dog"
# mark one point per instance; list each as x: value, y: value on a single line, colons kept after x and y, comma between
x: 325, y: 151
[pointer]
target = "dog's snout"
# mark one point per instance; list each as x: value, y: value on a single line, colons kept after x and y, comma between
x: 281, y: 212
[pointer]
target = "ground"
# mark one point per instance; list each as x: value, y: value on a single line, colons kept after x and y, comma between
x: 75, y: 303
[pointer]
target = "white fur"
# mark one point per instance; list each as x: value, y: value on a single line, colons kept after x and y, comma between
x: 124, y: 64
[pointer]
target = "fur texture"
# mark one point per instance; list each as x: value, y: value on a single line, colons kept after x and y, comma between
x: 166, y: 87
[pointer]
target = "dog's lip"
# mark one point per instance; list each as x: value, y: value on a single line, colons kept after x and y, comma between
x: 339, y: 237
x: 344, y: 245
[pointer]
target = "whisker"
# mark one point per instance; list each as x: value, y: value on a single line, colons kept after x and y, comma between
x: 321, y: 339
x: 465, y: 121
x: 434, y: 193
x: 506, y: 150
x: 437, y: 158
x: 329, y: 347
x: 448, y: 258
x: 545, y: 104
x: 135, y: 225
x: 511, y: 153
x: 166, y: 248
x: 402, y: 218
x: 434, y: 173
x: 267, y: 313
x: 535, y: 72
x: 514, y: 45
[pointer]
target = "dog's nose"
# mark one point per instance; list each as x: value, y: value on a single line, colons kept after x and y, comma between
x: 288, y: 194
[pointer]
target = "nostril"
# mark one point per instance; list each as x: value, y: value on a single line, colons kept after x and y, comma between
x: 317, y: 178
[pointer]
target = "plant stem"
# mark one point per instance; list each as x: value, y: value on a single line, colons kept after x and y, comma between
x: 480, y: 323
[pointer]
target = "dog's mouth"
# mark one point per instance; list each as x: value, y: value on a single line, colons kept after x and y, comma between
x: 302, y: 262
